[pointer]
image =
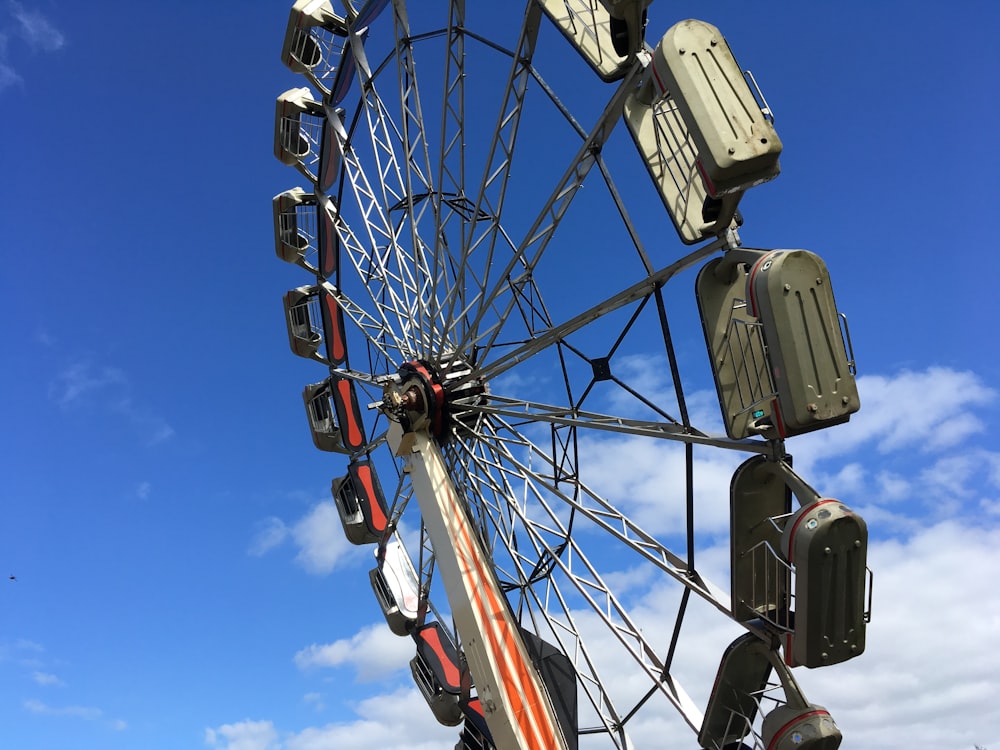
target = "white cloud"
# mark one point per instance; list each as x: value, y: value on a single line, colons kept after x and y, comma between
x: 925, y: 682
x: 645, y: 479
x: 374, y: 652
x: 271, y: 533
x: 926, y: 679
x: 910, y: 438
x: 929, y: 672
x: 928, y: 675
x: 951, y: 475
x: 626, y: 581
x: 927, y: 411
x: 243, y: 735
x: 315, y: 700
x: 892, y: 486
x: 320, y: 538
x: 918, y: 422
x: 644, y: 374
x: 905, y: 457
x: 400, y: 720
x: 45, y: 678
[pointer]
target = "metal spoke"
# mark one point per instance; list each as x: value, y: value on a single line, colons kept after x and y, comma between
x: 574, y: 565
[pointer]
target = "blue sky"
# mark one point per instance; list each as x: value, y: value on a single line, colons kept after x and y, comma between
x: 181, y: 578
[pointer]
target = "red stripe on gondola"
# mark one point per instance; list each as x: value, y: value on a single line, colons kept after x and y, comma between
x: 378, y: 520
x: 330, y: 167
x: 352, y: 430
x: 432, y: 638
x: 328, y: 242
x: 336, y: 350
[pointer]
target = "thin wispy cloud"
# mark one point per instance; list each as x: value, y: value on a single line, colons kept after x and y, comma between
x: 86, y: 713
x: 152, y: 427
x: 47, y: 679
x: 39, y: 33
x: 85, y: 384
x: 81, y: 379
x: 8, y: 76
x: 28, y: 28
x: 43, y: 337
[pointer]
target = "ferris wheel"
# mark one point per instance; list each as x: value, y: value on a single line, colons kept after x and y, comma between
x: 503, y: 335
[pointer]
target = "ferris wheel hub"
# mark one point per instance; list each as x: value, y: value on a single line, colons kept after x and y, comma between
x: 433, y: 396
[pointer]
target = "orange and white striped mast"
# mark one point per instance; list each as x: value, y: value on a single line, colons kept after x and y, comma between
x: 516, y: 704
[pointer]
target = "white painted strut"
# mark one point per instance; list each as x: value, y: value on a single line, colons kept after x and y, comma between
x: 515, y: 702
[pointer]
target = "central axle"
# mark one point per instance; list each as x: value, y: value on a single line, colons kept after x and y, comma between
x: 433, y: 397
